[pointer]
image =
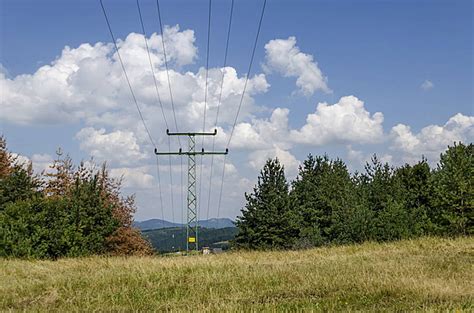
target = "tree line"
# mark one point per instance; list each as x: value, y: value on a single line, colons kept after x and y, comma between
x: 66, y: 211
x: 79, y: 210
x: 326, y: 204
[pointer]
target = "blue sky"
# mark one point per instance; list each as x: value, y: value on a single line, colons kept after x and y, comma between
x: 381, y: 52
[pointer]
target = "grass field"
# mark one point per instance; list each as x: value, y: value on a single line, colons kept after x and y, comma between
x: 425, y: 274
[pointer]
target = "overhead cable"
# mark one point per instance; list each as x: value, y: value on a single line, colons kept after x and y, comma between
x: 205, y: 98
x: 248, y: 71
x: 126, y: 76
x: 219, y: 105
x: 166, y: 66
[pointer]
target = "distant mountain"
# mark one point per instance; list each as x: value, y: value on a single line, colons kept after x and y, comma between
x: 159, y: 224
x: 216, y: 223
x: 154, y: 224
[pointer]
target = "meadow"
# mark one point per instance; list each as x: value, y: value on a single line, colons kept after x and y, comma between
x: 427, y: 274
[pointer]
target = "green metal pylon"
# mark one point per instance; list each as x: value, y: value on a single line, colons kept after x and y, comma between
x: 192, y: 218
x: 192, y: 215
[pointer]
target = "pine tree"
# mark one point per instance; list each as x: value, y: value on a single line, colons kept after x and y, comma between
x: 415, y: 183
x: 356, y: 223
x: 453, y: 190
x: 385, y: 197
x: 380, y: 185
x: 36, y: 228
x: 305, y: 200
x: 322, y: 190
x: 61, y: 176
x: 267, y: 220
x: 340, y: 194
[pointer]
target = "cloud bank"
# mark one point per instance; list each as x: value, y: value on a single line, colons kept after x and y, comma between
x: 85, y: 87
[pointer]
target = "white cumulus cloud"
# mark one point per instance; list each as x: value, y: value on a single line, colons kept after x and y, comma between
x: 85, y: 87
x: 42, y: 162
x: 346, y: 121
x: 138, y: 177
x: 284, y: 57
x: 258, y: 158
x: 21, y: 160
x: 263, y: 133
x: 432, y: 139
x: 118, y: 146
x: 86, y: 84
x: 427, y: 85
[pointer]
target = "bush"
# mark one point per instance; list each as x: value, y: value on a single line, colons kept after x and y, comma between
x: 66, y: 212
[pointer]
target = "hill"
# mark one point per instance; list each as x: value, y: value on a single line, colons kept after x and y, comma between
x: 428, y: 274
x: 158, y: 223
x: 174, y: 239
x: 154, y: 223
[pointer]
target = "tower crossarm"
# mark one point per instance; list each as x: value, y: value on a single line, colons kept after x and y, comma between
x: 202, y: 152
x: 192, y: 133
x: 193, y: 210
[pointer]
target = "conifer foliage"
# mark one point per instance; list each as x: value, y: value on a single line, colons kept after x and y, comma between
x: 266, y: 219
x: 66, y: 211
x: 453, y: 190
x: 328, y: 205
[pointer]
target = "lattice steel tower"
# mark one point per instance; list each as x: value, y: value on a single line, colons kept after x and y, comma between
x: 192, y: 215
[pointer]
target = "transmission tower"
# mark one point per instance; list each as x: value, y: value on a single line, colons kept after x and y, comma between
x: 192, y: 215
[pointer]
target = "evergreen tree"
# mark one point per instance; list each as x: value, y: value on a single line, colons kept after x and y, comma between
x: 453, y: 190
x: 321, y: 194
x: 60, y: 178
x: 385, y: 198
x: 38, y: 228
x: 266, y: 220
x: 349, y: 218
x: 414, y: 180
x: 357, y: 222
x: 305, y: 200
x: 380, y: 185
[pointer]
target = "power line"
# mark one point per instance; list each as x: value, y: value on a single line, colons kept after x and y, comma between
x: 205, y: 98
x: 161, y: 106
x: 151, y: 65
x: 206, y: 90
x: 248, y: 72
x: 171, y: 99
x: 219, y: 105
x: 240, y: 104
x: 207, y: 66
x: 192, y: 218
x: 166, y: 66
x: 126, y: 76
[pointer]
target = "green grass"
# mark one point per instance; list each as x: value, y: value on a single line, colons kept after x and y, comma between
x: 427, y: 274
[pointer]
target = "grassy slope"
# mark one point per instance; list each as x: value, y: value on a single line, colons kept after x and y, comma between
x: 425, y: 274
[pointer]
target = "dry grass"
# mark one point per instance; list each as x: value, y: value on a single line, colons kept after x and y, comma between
x: 427, y: 274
